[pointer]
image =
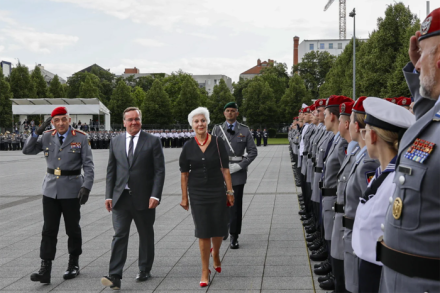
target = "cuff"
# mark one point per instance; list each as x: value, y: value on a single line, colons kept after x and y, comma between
x: 155, y: 198
x: 108, y: 199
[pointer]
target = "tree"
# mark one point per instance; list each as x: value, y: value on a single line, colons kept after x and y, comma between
x: 56, y: 89
x: 145, y: 82
x: 75, y: 81
x: 277, y: 78
x: 156, y: 107
x: 5, y: 102
x: 295, y: 95
x: 121, y: 99
x: 188, y: 100
x: 138, y: 95
x: 313, y: 69
x: 88, y: 90
x: 238, y: 92
x: 22, y: 86
x: 259, y: 102
x: 221, y: 95
x: 40, y: 83
x: 173, y: 84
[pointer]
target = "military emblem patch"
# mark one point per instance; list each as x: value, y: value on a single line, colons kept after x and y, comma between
x: 437, y: 116
x: 369, y: 176
x: 424, y: 28
x: 420, y: 150
x: 343, y: 108
x: 404, y: 102
x: 75, y: 145
x: 320, y: 103
x: 397, y: 208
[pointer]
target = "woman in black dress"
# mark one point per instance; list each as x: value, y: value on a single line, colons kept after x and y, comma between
x: 204, y: 165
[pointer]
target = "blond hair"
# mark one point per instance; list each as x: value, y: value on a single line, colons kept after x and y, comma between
x: 390, y: 137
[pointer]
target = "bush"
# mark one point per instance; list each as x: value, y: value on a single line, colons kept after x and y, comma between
x: 272, y: 132
x: 281, y: 135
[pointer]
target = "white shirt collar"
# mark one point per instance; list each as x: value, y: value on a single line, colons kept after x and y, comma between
x: 127, y: 135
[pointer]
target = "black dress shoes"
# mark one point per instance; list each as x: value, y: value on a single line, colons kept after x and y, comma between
x: 324, y: 278
x: 72, y: 268
x: 324, y: 269
x: 143, y: 276
x: 113, y: 282
x: 320, y: 264
x: 302, y: 213
x: 43, y: 275
x: 226, y: 237
x: 328, y: 284
x: 234, y: 242
x: 305, y: 217
x: 313, y: 236
x: 320, y: 254
x: 315, y: 245
x: 310, y: 229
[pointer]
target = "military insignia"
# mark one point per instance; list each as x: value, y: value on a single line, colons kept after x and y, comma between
x: 73, y: 132
x: 437, y: 116
x: 355, y: 150
x: 75, y: 145
x: 397, y: 208
x: 46, y: 153
x: 404, y: 102
x: 369, y: 176
x: 424, y: 28
x: 54, y: 132
x: 343, y: 108
x: 420, y: 150
x: 393, y: 101
x: 320, y: 103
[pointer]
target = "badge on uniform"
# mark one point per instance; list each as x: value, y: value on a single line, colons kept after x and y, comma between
x: 369, y: 176
x: 397, y: 208
x: 46, y: 153
x: 75, y: 145
x: 241, y: 135
x: 420, y: 150
x: 437, y: 116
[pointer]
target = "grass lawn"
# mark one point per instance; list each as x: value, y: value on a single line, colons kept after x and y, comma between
x: 276, y: 141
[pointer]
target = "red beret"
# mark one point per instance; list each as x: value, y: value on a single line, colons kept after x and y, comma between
x: 312, y: 108
x: 403, y: 101
x: 59, y: 111
x: 431, y: 25
x: 300, y: 110
x: 307, y: 110
x: 320, y: 103
x: 392, y: 100
x: 335, y: 101
x: 346, y: 108
x: 358, y: 106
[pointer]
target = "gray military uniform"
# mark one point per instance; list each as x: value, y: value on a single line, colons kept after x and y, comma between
x: 74, y: 154
x: 319, y: 164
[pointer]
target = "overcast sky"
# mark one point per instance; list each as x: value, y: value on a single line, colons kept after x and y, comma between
x: 197, y: 36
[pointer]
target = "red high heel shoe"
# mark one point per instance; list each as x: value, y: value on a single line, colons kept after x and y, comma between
x: 206, y: 284
x: 217, y: 269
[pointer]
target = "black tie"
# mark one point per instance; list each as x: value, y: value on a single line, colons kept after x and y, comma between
x: 61, y: 140
x: 130, y: 151
x: 232, y: 132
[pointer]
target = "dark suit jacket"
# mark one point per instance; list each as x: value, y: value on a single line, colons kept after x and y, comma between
x: 145, y: 176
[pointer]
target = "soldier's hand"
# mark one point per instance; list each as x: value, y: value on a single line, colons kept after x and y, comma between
x: 108, y: 205
x: 83, y: 195
x: 413, y: 50
x: 234, y: 168
x: 43, y: 126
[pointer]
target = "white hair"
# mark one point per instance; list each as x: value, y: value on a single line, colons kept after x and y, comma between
x: 198, y: 111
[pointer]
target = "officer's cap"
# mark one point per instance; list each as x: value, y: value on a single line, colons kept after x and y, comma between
x: 404, y: 101
x: 391, y: 100
x: 346, y: 108
x: 431, y: 25
x: 231, y: 105
x: 358, y: 106
x: 59, y: 111
x: 335, y: 101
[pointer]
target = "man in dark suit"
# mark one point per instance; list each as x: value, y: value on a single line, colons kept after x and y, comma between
x: 135, y: 177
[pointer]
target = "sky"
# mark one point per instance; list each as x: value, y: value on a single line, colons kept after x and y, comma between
x: 198, y: 36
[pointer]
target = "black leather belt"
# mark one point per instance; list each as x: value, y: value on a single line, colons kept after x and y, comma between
x: 320, y: 184
x: 347, y: 223
x: 59, y: 172
x: 328, y: 191
x: 305, y: 153
x: 309, y: 156
x: 339, y: 208
x: 313, y: 160
x: 408, y: 264
x: 318, y: 169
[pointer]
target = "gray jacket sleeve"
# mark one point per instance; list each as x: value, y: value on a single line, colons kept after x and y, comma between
x: 33, y: 145
x: 251, y: 149
x: 88, y: 166
x: 111, y: 172
x: 159, y: 170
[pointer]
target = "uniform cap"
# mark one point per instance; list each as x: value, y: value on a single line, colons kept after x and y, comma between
x: 346, y: 108
x: 312, y: 108
x: 59, y: 111
x: 386, y: 115
x: 391, y: 100
x: 231, y: 105
x: 320, y: 103
x: 358, y: 106
x: 335, y: 101
x: 404, y: 101
x: 431, y: 25
x: 306, y: 110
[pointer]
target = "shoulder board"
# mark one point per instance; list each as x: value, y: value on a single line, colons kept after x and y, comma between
x: 49, y: 130
x: 241, y: 124
x: 74, y: 131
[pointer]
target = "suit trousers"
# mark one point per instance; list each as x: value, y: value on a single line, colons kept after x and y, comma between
x: 122, y: 216
x: 369, y: 277
x: 236, y: 211
x: 52, y: 210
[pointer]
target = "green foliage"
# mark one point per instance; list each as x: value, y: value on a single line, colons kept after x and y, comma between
x: 138, y: 96
x: 121, y: 99
x: 56, y: 89
x: 188, y: 100
x: 39, y: 83
x: 272, y: 132
x: 221, y: 95
x: 173, y: 84
x: 156, y: 107
x: 22, y: 86
x: 313, y: 69
x: 238, y: 93
x: 259, y: 102
x: 277, y: 78
x: 281, y: 135
x: 87, y: 89
x: 145, y: 82
x: 293, y: 97
x: 5, y: 102
x: 75, y: 81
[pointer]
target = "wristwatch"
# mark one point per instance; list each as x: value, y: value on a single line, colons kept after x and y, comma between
x: 229, y: 192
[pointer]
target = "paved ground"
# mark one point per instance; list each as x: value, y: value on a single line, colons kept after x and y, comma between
x: 272, y: 255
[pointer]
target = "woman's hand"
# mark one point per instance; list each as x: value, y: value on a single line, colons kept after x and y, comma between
x: 184, y: 204
x: 230, y: 199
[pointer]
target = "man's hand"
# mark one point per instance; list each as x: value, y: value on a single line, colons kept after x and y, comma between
x: 108, y: 205
x: 153, y: 203
x: 43, y: 126
x: 234, y: 168
x: 184, y: 204
x: 83, y: 195
x: 413, y: 50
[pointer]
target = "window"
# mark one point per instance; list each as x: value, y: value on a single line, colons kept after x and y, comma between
x: 311, y: 47
x: 339, y: 45
x: 330, y: 45
x: 321, y: 46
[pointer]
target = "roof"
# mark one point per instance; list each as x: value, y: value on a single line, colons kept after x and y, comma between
x: 256, y: 69
x: 46, y: 106
x: 48, y: 76
x: 60, y: 101
x: 88, y: 69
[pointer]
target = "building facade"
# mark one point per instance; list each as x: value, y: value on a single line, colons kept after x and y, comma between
x: 208, y: 81
x: 48, y: 76
x: 254, y: 71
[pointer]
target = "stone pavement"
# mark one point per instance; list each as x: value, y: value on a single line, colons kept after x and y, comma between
x: 272, y: 255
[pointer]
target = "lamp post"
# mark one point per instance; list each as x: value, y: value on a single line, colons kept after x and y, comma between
x: 353, y: 14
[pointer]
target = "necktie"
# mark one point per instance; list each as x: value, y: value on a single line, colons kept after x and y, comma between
x: 232, y: 132
x: 130, y: 151
x: 61, y: 138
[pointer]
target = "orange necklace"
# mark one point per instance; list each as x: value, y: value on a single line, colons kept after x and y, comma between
x: 203, y: 143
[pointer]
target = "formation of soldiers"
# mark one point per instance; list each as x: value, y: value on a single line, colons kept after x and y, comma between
x: 12, y: 141
x: 174, y: 138
x: 257, y: 135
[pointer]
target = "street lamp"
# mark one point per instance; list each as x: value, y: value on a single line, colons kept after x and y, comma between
x: 353, y: 14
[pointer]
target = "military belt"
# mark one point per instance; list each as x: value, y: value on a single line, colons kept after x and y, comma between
x: 305, y: 153
x: 408, y: 264
x: 313, y: 160
x: 318, y: 169
x: 59, y: 172
x: 235, y: 159
x: 339, y: 208
x: 347, y: 223
x: 309, y: 156
x: 328, y: 191
x: 320, y: 184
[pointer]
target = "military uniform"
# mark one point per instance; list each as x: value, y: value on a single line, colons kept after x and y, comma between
x: 265, y: 137
x: 258, y: 136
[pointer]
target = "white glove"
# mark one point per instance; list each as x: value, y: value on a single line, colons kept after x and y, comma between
x: 234, y: 168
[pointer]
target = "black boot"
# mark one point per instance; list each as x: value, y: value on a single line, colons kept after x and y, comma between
x: 323, y: 270
x: 72, y: 268
x: 320, y: 254
x: 234, y: 241
x: 43, y: 275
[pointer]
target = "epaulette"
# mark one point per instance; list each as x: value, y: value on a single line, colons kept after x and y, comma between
x: 79, y: 131
x: 54, y: 131
x: 241, y: 124
x: 48, y: 130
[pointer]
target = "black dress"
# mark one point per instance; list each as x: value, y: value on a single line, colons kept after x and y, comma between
x: 206, y: 188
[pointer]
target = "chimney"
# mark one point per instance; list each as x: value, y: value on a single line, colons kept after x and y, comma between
x: 131, y: 70
x: 258, y: 62
x: 295, y: 50
x: 41, y: 66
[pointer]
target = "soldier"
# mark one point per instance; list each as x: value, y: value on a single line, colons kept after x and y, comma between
x: 1, y: 142
x: 409, y: 250
x: 265, y: 136
x: 253, y: 134
x: 163, y: 137
x: 258, y: 136
x: 173, y: 138
x: 64, y: 188
x: 14, y: 141
x: 404, y: 102
x: 238, y: 140
x: 180, y: 138
x: 8, y: 141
